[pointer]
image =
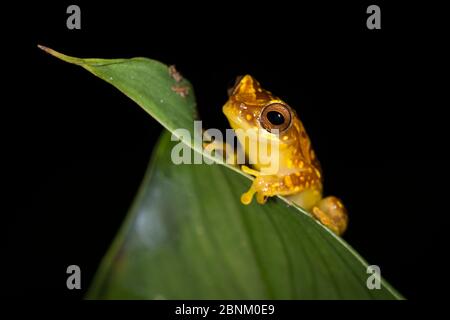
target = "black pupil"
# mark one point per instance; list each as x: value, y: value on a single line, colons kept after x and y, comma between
x: 275, y: 118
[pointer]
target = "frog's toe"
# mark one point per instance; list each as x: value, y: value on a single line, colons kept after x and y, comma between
x: 250, y: 171
x: 261, y: 198
x: 247, y: 197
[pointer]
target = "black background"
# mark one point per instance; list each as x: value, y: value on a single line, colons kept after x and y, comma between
x: 76, y: 149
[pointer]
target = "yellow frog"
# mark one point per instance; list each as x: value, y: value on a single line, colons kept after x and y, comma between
x: 299, y: 175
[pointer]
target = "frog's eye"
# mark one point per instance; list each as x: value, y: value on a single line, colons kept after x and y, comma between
x: 276, y: 116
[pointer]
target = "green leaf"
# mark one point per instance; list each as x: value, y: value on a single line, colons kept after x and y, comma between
x: 187, y: 236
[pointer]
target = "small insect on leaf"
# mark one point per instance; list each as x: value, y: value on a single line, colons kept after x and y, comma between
x: 182, y: 91
x: 175, y: 74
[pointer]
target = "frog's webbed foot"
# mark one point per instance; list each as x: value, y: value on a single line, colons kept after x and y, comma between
x: 331, y: 212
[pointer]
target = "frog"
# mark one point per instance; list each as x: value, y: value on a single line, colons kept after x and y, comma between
x: 299, y: 174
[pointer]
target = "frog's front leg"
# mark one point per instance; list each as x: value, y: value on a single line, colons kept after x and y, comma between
x: 246, y: 198
x: 265, y: 186
x: 259, y: 187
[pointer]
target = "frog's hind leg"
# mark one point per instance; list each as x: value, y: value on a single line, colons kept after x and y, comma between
x: 331, y: 212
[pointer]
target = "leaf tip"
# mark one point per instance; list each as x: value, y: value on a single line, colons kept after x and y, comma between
x: 49, y: 50
x: 59, y: 55
x: 44, y: 48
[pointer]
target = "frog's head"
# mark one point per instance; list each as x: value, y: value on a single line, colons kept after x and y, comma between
x: 250, y: 106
